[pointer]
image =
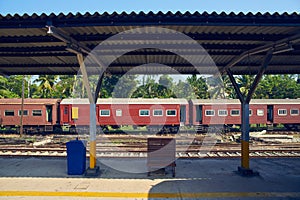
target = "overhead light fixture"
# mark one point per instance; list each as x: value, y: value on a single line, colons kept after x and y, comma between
x: 49, y: 30
x: 282, y: 49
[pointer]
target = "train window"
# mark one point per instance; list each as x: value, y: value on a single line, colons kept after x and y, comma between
x: 9, y: 113
x: 282, y: 112
x: 171, y: 112
x: 144, y: 112
x: 250, y: 112
x: 25, y: 112
x: 260, y: 112
x: 209, y: 113
x: 104, y: 112
x: 36, y: 112
x: 158, y: 112
x: 222, y: 112
x: 119, y: 113
x: 294, y: 111
x: 235, y: 112
x: 66, y: 110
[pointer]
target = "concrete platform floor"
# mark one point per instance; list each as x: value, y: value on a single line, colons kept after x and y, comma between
x: 46, y: 178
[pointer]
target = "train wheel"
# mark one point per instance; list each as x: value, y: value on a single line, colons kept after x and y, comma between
x: 57, y: 130
x: 292, y: 127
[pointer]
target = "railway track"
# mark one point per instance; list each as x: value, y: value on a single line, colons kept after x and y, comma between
x: 129, y: 152
x: 135, y: 146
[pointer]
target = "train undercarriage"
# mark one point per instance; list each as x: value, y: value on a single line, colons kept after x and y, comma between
x: 159, y: 129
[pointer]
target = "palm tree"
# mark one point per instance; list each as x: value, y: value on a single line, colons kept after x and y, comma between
x: 199, y: 86
x: 65, y: 86
x: 245, y: 82
x: 46, y: 85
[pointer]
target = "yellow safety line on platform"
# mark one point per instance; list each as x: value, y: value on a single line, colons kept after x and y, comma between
x: 151, y: 195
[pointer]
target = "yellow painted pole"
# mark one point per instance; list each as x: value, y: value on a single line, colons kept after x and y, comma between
x: 245, y: 155
x: 92, y: 112
x: 92, y: 154
x: 245, y: 136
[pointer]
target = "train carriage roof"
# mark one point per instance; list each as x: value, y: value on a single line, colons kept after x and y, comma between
x: 28, y: 101
x: 236, y: 101
x: 127, y: 101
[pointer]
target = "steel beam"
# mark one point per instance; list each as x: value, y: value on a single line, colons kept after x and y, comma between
x: 264, y: 48
x: 79, y: 49
x: 245, y: 121
x: 235, y: 85
x: 258, y: 77
x: 93, y: 169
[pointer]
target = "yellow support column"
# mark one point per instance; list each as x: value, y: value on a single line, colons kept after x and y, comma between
x: 244, y: 169
x: 245, y: 155
x: 93, y: 170
x: 92, y: 154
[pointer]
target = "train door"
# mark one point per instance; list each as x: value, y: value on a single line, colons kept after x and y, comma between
x: 270, y: 113
x: 199, y: 116
x: 49, y: 113
x: 182, y: 113
x: 65, y: 114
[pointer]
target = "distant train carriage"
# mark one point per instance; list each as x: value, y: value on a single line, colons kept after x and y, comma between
x: 211, y: 113
x: 283, y: 111
x: 223, y: 113
x: 214, y: 113
x: 75, y: 115
x: 39, y: 115
x: 157, y: 114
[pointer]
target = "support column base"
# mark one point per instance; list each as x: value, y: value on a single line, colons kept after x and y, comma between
x: 92, y: 172
x: 247, y: 172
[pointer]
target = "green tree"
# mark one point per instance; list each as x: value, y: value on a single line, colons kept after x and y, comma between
x: 15, y: 85
x: 64, y: 87
x: 5, y: 91
x: 151, y: 89
x: 108, y: 84
x: 166, y: 86
x: 228, y: 87
x: 46, y: 86
x: 183, y: 90
x: 220, y: 87
x: 278, y: 87
x: 244, y: 82
x: 125, y: 86
x: 199, y: 86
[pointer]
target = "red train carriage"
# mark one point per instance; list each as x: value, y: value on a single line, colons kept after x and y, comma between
x: 284, y: 111
x: 75, y: 115
x: 39, y: 115
x: 156, y: 114
x: 216, y: 113
x: 46, y: 115
x: 205, y: 113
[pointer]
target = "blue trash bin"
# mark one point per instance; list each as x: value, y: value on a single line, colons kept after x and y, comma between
x: 76, y: 157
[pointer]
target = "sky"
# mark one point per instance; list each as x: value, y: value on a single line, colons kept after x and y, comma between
x: 65, y: 6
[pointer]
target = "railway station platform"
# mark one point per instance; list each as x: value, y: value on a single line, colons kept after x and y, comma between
x: 47, y: 178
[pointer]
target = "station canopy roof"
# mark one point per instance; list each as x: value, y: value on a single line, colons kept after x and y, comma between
x: 28, y: 46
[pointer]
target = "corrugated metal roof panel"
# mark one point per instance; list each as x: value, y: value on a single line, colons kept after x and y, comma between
x: 23, y: 40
